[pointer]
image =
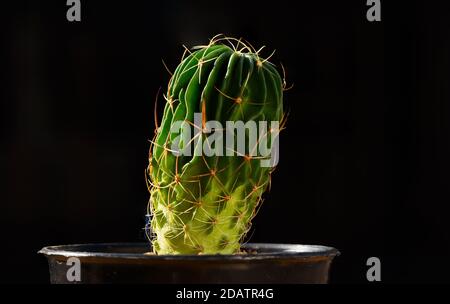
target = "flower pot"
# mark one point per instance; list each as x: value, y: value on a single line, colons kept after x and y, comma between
x: 132, y: 263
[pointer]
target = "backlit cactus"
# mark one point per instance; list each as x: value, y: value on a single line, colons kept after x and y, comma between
x: 204, y: 204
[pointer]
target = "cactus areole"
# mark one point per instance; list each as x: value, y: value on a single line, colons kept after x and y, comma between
x: 213, y: 153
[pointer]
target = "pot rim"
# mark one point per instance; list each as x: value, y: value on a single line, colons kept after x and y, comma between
x: 265, y: 251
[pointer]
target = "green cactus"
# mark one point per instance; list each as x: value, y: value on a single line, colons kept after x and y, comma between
x: 204, y: 204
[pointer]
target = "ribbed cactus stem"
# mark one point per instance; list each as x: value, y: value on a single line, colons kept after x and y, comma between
x: 201, y: 202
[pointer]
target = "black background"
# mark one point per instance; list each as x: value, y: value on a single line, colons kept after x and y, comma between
x: 364, y: 161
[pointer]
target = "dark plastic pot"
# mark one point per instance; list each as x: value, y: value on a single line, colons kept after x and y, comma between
x: 128, y: 263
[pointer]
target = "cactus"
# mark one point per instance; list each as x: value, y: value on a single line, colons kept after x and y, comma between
x: 203, y: 204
